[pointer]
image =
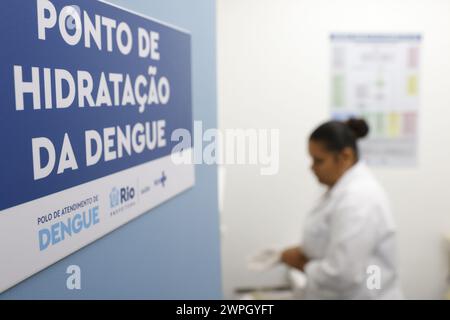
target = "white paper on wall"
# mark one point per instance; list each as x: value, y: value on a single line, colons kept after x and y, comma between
x: 377, y: 77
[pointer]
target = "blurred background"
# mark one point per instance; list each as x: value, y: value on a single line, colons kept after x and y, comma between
x: 275, y: 71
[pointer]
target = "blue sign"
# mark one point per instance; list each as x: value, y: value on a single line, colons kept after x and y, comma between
x: 87, y: 90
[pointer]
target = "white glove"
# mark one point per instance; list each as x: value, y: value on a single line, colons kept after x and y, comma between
x: 264, y: 260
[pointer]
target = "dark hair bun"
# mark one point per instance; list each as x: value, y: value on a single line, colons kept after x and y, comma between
x: 359, y: 127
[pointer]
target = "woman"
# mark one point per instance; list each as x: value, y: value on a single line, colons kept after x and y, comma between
x: 348, y: 250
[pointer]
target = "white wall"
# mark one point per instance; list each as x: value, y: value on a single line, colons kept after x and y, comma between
x: 273, y: 67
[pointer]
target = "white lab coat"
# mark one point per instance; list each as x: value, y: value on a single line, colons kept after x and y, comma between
x: 350, y: 230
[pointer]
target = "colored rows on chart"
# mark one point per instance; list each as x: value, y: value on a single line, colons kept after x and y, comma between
x: 391, y: 124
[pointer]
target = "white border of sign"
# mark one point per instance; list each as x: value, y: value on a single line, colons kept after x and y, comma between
x: 20, y: 254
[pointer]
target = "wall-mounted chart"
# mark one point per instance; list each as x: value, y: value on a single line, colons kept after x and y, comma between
x: 376, y: 76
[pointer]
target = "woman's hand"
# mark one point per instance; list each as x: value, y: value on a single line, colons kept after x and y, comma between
x: 294, y: 257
